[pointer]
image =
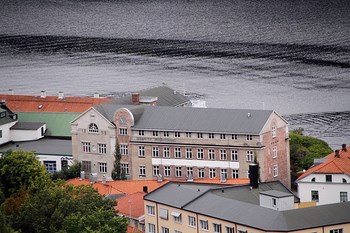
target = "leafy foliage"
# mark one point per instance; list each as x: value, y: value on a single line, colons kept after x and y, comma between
x: 20, y: 169
x: 303, y: 151
x: 68, y: 173
x: 38, y: 204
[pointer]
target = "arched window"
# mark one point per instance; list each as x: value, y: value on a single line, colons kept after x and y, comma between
x: 313, y: 179
x: 93, y: 128
x: 344, y: 180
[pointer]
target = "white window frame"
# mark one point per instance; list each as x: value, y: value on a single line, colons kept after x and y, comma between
x: 189, y: 171
x: 155, y: 133
x: 249, y: 137
x: 274, y: 152
x: 142, y: 170
x: 235, y: 173
x: 189, y: 153
x: 211, y: 135
x: 223, y: 154
x: 211, y: 154
x: 177, y: 134
x: 250, y: 156
x: 93, y: 128
x: 200, y: 153
x: 141, y: 133
x: 177, y: 153
x: 141, y: 151
x: 125, y: 168
x: 204, y: 224
x: 343, y: 196
x: 102, y: 167
x: 188, y: 134
x: 86, y: 147
x: 167, y: 171
x: 124, y: 150
x: 155, y: 151
x: 217, y: 228
x: 166, y: 134
x: 123, y: 131
x: 151, y: 228
x: 166, y: 152
x: 191, y: 221
x: 156, y: 170
x: 178, y: 171
x: 101, y: 148
x: 212, y: 173
x: 199, y: 135
x: 234, y: 155
x: 275, y: 170
x: 201, y: 172
x: 234, y: 136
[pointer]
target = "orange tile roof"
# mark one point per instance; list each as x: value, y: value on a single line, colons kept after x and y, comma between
x: 131, y: 205
x: 133, y: 230
x: 333, y: 165
x: 103, y: 189
x: 29, y: 103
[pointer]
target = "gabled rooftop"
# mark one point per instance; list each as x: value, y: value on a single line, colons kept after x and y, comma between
x: 337, y: 162
x: 211, y: 203
x: 44, y: 103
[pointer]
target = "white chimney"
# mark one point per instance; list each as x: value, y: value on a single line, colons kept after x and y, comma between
x: 82, y: 175
x: 104, y: 180
x: 43, y: 94
x: 11, y: 92
x: 60, y: 95
x: 96, y: 95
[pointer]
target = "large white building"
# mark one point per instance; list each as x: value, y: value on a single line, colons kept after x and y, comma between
x: 327, y: 181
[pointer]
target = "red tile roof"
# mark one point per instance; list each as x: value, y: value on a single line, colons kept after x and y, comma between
x: 29, y: 103
x: 333, y: 165
x: 133, y: 230
x: 131, y: 205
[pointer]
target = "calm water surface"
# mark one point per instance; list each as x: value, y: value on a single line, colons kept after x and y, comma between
x: 287, y: 55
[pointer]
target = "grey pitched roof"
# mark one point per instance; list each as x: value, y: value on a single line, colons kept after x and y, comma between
x: 227, y: 208
x: 275, y: 193
x: 27, y: 125
x: 203, y: 120
x: 166, y: 97
x: 44, y: 146
x: 192, y: 119
x: 245, y: 194
x: 6, y: 115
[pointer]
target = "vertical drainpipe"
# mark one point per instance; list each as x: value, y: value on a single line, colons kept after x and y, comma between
x: 157, y: 227
x: 197, y: 225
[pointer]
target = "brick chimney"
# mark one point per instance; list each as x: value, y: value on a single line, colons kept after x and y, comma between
x: 343, y: 147
x: 135, y: 98
x: 336, y: 153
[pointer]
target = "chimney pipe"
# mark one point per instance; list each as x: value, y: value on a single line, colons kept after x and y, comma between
x: 96, y: 95
x: 60, y: 95
x: 336, y: 153
x: 254, y: 175
x: 145, y: 189
x: 11, y: 92
x: 43, y: 94
x: 344, y: 147
x: 135, y: 98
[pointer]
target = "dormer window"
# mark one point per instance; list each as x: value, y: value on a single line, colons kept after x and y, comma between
x: 93, y: 128
x: 328, y: 178
x: 313, y: 179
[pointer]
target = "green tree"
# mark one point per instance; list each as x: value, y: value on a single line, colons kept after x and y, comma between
x: 118, y: 172
x: 61, y: 208
x: 68, y: 173
x: 21, y: 169
x: 303, y: 151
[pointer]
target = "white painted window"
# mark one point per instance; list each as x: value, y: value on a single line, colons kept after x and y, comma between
x: 155, y: 133
x: 166, y: 134
x: 274, y: 152
x: 93, y: 128
x: 102, y: 148
x: 177, y: 134
x: 250, y: 156
x: 141, y: 151
x: 340, y: 230
x: 189, y: 171
x: 165, y: 230
x: 142, y: 170
x: 50, y: 166
x: 212, y: 172
x: 177, y: 153
x: 86, y: 147
x: 178, y: 171
x: 188, y: 134
x: 199, y: 135
x: 275, y: 171
x: 224, y: 173
x: 234, y: 155
x: 141, y: 132
x: 156, y: 170
x: 235, y: 173
x: 249, y: 137
x: 102, y: 167
x: 234, y: 136
x: 204, y: 224
x: 217, y: 228
x: 200, y: 153
x: 123, y: 131
x: 201, y: 173
x: 155, y: 151
x: 343, y: 196
x: 211, y: 154
x: 188, y: 153
x: 151, y: 228
x: 314, y: 195
x: 125, y: 168
x: 211, y: 135
x: 124, y: 149
x: 191, y: 221
x: 222, y: 136
x: 273, y: 131
x: 167, y: 171
x: 223, y: 155
x: 230, y: 230
x: 166, y: 152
